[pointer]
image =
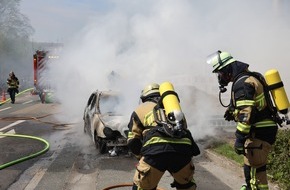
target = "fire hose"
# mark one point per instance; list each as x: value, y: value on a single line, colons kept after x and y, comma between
x: 45, y: 149
x: 30, y: 137
x: 123, y: 185
x: 8, y: 99
x: 5, y: 165
x: 37, y: 119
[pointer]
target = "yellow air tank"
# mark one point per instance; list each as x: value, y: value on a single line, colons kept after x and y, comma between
x: 170, y: 102
x: 277, y: 90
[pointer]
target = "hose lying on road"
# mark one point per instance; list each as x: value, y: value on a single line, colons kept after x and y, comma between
x: 123, y: 185
x: 34, y: 118
x: 38, y: 119
x: 8, y: 99
x: 26, y: 157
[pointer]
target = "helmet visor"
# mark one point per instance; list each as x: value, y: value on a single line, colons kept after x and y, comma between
x: 214, y: 59
x: 219, y: 60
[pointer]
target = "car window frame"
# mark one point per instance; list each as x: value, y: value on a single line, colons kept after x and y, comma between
x: 97, y: 103
x: 90, y: 99
x: 108, y: 94
x: 93, y: 103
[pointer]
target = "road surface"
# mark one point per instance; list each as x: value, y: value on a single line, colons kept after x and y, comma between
x: 72, y: 163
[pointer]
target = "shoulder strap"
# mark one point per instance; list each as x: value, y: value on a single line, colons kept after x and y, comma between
x: 267, y: 95
x: 236, y: 79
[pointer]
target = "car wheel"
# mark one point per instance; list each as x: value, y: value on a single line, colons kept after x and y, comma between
x: 100, y: 144
x: 103, y: 146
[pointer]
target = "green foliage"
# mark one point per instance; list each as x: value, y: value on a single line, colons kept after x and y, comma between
x: 227, y: 150
x: 279, y: 159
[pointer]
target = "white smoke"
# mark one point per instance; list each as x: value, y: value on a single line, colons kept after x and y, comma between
x: 168, y: 40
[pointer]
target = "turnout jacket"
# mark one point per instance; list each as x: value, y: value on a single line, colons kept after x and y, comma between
x: 13, y: 82
x: 252, y: 113
x: 147, y: 137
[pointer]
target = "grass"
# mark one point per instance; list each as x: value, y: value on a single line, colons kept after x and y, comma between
x: 227, y: 150
x: 278, y: 160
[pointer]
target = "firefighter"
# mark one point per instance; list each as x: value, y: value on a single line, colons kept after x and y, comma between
x: 256, y: 127
x: 13, y: 84
x: 156, y: 151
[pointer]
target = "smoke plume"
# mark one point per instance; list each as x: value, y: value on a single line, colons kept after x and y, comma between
x: 135, y: 43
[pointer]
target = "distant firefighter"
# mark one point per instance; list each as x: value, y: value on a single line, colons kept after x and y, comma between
x: 13, y: 84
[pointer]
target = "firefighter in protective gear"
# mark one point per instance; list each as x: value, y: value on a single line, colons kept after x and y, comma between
x: 256, y: 129
x: 156, y: 151
x: 13, y: 84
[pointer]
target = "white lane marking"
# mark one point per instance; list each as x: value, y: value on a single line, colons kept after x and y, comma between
x: 5, y: 109
x: 28, y: 102
x: 32, y: 176
x: 41, y: 171
x: 12, y: 132
x: 12, y: 124
x: 36, y: 179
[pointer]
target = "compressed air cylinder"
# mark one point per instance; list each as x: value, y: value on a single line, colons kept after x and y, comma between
x: 170, y: 102
x: 277, y: 90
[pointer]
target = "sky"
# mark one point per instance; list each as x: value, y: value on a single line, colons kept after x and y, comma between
x: 58, y: 21
x: 145, y: 41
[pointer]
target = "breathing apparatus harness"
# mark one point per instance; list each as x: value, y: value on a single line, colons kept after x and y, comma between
x: 168, y: 114
x: 166, y: 126
x: 267, y: 88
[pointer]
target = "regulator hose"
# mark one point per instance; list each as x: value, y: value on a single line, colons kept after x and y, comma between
x: 220, y: 99
x: 26, y: 157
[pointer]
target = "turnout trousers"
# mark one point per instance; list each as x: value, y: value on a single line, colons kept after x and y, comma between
x: 147, y: 177
x: 255, y: 161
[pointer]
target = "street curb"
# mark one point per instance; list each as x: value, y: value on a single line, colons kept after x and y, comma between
x: 232, y: 165
x: 223, y: 161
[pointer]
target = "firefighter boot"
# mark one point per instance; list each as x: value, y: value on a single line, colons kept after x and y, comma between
x: 134, y: 187
x: 245, y: 187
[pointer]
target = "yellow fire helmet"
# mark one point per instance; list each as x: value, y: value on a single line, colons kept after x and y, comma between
x: 150, y: 91
x: 219, y: 60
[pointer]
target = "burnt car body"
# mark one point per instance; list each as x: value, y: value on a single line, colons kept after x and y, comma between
x: 104, y: 122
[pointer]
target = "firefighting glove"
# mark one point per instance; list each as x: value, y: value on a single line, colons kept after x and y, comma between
x: 195, y: 148
x: 135, y: 145
x: 229, y: 114
x: 239, y: 148
x: 239, y: 144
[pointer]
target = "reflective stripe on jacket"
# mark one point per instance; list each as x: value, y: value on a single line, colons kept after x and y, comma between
x: 154, y: 141
x: 250, y: 104
x: 12, y: 83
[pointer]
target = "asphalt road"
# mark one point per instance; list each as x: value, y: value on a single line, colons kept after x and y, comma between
x: 72, y: 163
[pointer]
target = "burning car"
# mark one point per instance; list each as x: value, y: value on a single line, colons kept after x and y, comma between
x: 105, y: 123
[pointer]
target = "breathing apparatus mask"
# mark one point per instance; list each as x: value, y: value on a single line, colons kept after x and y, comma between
x: 221, y: 63
x: 224, y: 77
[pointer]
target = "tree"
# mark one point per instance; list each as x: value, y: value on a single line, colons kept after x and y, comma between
x: 12, y: 22
x: 15, y: 48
